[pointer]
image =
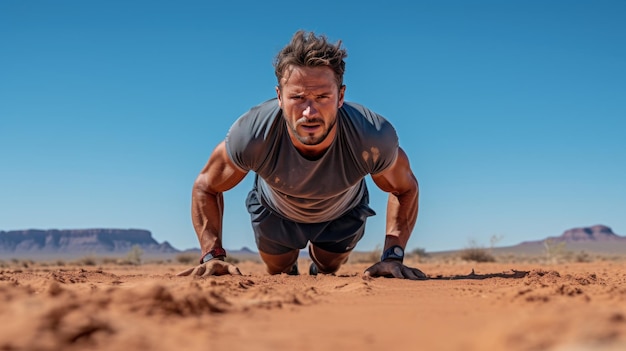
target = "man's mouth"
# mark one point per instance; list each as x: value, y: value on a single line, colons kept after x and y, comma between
x: 310, y: 126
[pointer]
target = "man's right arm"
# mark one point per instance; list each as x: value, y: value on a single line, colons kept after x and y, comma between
x: 207, y: 201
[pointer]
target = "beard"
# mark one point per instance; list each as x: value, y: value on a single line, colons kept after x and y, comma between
x: 311, y: 138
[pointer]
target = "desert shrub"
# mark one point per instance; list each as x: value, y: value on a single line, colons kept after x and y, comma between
x: 134, y: 255
x: 419, y: 251
x: 187, y: 258
x: 26, y: 263
x: 126, y: 262
x: 367, y: 256
x: 554, y: 250
x: 417, y: 254
x: 231, y: 259
x: 477, y: 254
x: 494, y: 240
x: 160, y: 262
x: 88, y: 260
x: 582, y: 256
x: 109, y: 260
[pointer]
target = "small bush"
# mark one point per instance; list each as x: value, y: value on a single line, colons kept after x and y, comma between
x: 87, y: 261
x: 419, y: 251
x: 367, y: 257
x: 555, y: 250
x: 477, y: 254
x: 187, y: 258
x: 134, y: 255
x: 231, y: 260
x: 582, y: 257
x: 109, y: 260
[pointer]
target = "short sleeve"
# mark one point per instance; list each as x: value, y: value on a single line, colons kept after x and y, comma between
x: 249, y: 138
x: 237, y: 141
x: 386, y: 145
x: 371, y: 137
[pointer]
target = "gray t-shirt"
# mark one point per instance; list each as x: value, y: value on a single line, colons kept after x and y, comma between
x: 308, y: 191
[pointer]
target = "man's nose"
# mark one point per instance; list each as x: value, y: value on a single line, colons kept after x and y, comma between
x: 309, y: 111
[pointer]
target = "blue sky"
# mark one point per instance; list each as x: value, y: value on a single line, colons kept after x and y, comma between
x: 513, y: 113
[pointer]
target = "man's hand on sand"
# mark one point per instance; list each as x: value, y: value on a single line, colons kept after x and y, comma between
x: 212, y: 267
x: 394, y: 269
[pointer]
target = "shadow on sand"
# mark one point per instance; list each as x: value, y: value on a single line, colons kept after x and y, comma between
x: 512, y: 275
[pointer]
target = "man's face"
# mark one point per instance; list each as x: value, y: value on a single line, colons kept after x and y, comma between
x: 310, y: 98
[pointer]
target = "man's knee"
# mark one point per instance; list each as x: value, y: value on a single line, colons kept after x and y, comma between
x: 327, y: 262
x: 277, y: 264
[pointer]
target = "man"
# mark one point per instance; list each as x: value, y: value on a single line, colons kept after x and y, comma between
x: 310, y: 152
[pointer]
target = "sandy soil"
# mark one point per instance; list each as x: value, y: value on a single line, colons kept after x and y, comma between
x: 574, y: 306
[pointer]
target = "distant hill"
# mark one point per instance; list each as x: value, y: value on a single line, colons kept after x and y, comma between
x: 596, y: 233
x: 37, y: 243
x: 79, y: 241
x: 596, y: 239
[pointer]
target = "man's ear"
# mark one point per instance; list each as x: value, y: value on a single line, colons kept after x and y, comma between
x: 342, y: 94
x: 279, y: 97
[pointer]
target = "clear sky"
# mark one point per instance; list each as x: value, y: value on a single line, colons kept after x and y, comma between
x: 513, y: 113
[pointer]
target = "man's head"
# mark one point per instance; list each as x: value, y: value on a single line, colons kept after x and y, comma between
x: 309, y: 50
x: 310, y: 90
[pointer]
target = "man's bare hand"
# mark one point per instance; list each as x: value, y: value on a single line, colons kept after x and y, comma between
x: 212, y: 267
x: 394, y: 269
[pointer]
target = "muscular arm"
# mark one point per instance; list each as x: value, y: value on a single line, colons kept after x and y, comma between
x: 402, y: 205
x: 207, y: 201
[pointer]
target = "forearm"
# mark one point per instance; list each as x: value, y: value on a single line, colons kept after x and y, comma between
x: 207, y: 199
x: 402, y: 212
x: 207, y: 215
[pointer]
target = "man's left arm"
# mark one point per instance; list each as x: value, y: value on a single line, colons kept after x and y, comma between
x: 402, y: 207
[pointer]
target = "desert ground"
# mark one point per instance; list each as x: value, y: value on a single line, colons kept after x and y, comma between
x: 465, y: 305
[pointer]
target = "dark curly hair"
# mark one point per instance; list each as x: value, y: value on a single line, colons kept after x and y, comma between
x: 309, y: 50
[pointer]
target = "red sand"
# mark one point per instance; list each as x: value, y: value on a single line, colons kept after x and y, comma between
x: 579, y: 306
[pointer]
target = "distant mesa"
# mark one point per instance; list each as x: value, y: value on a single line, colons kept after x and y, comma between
x: 245, y: 249
x: 593, y: 233
x: 53, y: 241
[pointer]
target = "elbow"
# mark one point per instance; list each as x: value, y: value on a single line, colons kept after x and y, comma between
x: 201, y: 187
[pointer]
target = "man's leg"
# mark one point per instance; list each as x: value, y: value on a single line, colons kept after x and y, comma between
x: 277, y: 239
x: 332, y: 246
x: 282, y: 263
x: 327, y: 262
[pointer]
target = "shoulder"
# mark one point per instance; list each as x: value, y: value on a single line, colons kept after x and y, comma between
x: 368, y: 133
x: 248, y: 136
x: 258, y: 118
x: 365, y: 120
x: 362, y: 120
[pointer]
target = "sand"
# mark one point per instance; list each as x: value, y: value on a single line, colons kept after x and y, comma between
x: 568, y: 306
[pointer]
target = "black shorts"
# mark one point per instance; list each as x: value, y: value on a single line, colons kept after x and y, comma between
x: 277, y: 235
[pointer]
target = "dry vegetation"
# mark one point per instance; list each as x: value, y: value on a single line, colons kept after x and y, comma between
x: 553, y: 253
